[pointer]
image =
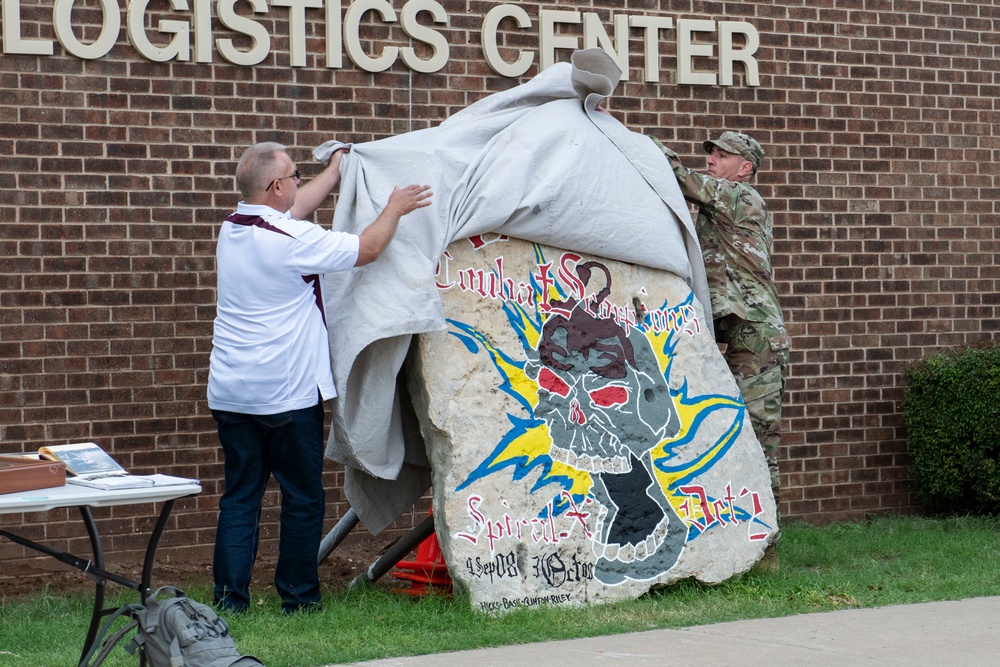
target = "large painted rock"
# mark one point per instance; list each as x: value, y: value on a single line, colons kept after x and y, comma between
x: 586, y: 437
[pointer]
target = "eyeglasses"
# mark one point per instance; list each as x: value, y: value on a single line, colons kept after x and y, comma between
x: 294, y: 175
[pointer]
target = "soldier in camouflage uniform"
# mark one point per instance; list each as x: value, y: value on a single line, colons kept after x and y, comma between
x: 734, y: 230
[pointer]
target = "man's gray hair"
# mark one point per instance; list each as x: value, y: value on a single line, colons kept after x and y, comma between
x: 255, y: 170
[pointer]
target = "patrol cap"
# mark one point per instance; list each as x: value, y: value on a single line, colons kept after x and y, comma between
x: 738, y: 143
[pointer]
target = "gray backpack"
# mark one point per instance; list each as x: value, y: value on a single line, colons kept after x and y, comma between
x: 179, y: 632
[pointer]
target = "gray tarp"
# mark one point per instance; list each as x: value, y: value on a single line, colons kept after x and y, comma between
x: 536, y: 162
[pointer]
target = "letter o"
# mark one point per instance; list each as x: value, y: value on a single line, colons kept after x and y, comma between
x: 110, y: 27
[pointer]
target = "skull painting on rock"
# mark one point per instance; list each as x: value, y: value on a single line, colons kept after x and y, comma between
x: 607, y: 404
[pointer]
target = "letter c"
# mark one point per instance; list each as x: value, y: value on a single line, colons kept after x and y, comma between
x: 352, y: 39
x: 490, y: 24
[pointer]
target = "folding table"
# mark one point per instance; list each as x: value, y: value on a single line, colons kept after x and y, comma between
x: 83, y: 498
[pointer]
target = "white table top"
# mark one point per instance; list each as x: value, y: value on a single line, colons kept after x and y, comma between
x: 74, y: 495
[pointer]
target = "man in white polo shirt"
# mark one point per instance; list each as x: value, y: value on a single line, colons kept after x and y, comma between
x: 270, y: 365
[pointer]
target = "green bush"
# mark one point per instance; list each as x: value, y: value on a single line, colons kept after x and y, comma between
x: 952, y: 411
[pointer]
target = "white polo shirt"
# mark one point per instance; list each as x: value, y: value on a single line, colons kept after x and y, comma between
x: 270, y: 350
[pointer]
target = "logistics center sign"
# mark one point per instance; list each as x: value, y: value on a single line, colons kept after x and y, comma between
x: 706, y: 50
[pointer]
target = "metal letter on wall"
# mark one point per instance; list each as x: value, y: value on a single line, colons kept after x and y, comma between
x: 491, y: 25
x: 255, y: 31
x: 437, y: 42
x: 352, y: 36
x: 178, y: 47
x: 13, y: 41
x: 111, y: 23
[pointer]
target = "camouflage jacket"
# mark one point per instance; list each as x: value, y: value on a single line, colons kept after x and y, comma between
x: 735, y: 233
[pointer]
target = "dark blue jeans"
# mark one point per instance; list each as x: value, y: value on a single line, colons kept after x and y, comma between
x: 288, y: 445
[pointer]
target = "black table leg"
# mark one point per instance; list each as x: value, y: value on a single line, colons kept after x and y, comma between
x: 100, y: 584
x: 99, y: 573
x: 154, y: 541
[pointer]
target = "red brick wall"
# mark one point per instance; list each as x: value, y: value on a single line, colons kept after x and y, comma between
x: 880, y: 118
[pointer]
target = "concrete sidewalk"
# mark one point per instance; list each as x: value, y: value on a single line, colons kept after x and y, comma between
x: 965, y: 633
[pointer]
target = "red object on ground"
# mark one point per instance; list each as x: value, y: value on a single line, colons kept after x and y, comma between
x: 428, y: 573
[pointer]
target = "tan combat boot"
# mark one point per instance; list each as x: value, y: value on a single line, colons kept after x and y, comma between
x: 768, y: 562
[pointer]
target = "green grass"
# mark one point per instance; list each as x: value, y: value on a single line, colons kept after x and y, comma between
x: 887, y: 561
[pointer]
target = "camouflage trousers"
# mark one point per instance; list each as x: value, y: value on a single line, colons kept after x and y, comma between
x: 757, y: 355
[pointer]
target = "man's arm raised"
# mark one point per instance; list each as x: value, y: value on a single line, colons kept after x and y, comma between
x: 311, y: 195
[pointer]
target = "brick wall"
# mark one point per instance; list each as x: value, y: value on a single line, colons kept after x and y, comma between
x: 880, y: 118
